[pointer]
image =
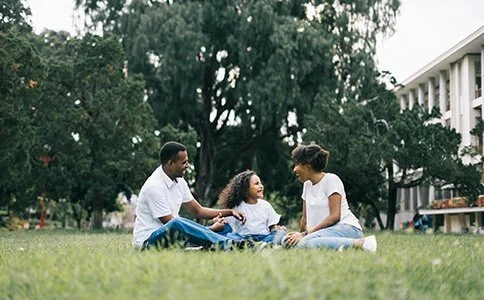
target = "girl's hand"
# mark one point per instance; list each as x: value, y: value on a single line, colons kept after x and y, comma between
x: 219, y: 223
x: 278, y: 227
x: 217, y: 218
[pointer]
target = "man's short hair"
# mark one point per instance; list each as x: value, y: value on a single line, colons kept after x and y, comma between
x: 169, y: 151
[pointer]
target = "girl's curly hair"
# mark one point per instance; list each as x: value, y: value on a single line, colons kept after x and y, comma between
x: 236, y: 191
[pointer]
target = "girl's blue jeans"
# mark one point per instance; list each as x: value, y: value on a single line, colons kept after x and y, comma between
x: 274, y: 237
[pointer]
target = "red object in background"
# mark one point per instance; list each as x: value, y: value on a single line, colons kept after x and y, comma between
x: 480, y: 201
x: 42, y: 211
x: 47, y: 159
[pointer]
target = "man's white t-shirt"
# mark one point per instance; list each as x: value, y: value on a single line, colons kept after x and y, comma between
x: 259, y: 217
x: 317, y: 202
x: 160, y: 196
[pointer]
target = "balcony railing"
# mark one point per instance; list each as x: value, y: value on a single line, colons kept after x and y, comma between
x: 457, y: 202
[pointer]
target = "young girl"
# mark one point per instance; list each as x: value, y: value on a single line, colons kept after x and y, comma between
x: 244, y: 192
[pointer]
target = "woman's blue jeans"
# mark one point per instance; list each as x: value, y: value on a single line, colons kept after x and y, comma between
x: 183, y: 229
x: 334, y: 237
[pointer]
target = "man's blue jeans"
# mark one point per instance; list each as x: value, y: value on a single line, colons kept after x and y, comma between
x: 334, y: 237
x: 186, y: 230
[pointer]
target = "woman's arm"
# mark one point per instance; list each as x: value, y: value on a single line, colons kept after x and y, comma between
x: 294, y: 237
x: 302, y: 224
x: 333, y: 218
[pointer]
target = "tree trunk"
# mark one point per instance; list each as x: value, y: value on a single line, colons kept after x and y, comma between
x: 205, y: 169
x: 377, y: 215
x: 392, y: 198
x: 98, y: 213
x: 77, y: 216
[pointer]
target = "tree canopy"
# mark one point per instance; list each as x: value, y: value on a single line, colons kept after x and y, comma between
x: 93, y: 122
x: 243, y: 74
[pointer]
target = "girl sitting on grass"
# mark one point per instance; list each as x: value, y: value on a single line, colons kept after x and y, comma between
x: 244, y: 192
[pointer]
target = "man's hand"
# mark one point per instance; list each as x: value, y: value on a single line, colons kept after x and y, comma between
x: 293, y: 238
x: 239, y: 216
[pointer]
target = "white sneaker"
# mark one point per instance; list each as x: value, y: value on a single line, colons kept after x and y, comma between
x: 194, y: 248
x: 259, y: 246
x: 369, y: 244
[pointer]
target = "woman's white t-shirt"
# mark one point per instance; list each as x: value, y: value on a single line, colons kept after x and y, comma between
x: 317, y: 202
x: 259, y: 217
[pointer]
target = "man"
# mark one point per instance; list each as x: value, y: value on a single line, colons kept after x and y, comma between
x: 157, y: 213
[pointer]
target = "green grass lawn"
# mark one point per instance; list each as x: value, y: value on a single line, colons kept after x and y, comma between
x: 72, y: 265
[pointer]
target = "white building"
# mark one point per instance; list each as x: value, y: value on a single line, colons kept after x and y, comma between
x: 452, y: 82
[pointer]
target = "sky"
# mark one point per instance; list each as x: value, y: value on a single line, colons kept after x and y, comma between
x: 425, y: 29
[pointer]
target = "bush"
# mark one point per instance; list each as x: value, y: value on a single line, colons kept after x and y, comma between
x: 288, y: 207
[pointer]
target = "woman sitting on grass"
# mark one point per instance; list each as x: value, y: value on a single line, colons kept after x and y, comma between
x: 244, y: 192
x: 327, y: 221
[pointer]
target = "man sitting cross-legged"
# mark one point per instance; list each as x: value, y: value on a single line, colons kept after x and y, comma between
x: 157, y: 220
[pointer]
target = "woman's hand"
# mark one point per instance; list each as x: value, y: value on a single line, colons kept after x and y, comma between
x: 293, y: 238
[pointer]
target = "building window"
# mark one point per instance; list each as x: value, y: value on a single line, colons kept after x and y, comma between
x: 447, y: 99
x: 406, y: 199
x: 478, y: 139
x: 415, y: 198
x: 424, y: 194
x: 478, y: 87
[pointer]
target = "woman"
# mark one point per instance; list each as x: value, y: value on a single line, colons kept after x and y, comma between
x: 327, y: 221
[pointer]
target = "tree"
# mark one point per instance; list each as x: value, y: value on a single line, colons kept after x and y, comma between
x: 13, y: 13
x: 376, y: 149
x: 93, y: 122
x: 21, y: 69
x: 236, y: 70
x: 425, y: 152
x: 349, y: 132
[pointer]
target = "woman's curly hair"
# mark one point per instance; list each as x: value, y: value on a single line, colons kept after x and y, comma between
x: 312, y: 154
x: 236, y: 191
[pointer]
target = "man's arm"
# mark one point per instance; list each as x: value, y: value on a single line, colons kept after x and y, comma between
x: 208, y: 213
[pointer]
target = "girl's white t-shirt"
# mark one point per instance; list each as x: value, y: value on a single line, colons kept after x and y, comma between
x: 259, y: 217
x: 317, y: 202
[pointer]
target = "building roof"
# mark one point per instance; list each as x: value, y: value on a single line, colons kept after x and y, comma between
x: 470, y: 45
